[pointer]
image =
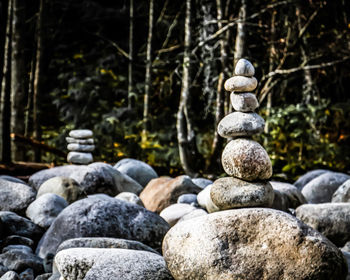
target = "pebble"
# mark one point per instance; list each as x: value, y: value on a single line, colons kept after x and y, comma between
x: 244, y: 102
x: 244, y: 68
x: 241, y: 84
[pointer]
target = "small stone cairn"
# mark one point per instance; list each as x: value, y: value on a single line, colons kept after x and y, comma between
x: 80, y: 146
x: 245, y: 160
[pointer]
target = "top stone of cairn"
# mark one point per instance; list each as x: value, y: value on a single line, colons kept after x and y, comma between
x: 81, y: 133
x: 244, y: 68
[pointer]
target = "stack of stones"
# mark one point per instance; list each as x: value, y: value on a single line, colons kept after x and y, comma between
x: 245, y: 160
x: 80, y: 146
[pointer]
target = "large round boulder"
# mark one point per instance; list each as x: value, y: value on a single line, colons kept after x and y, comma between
x: 103, y: 216
x: 307, y: 177
x: 250, y: 244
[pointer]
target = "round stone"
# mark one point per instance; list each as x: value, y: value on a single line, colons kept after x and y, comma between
x: 80, y: 147
x: 229, y: 192
x: 81, y: 133
x: 244, y: 102
x: 241, y: 84
x: 244, y: 68
x: 247, y: 160
x: 241, y: 124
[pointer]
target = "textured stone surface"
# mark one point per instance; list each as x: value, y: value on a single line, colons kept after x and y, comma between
x: 342, y: 194
x: 81, y: 133
x: 104, y: 242
x: 244, y: 102
x: 321, y: 189
x: 202, y: 182
x: 80, y: 147
x: 175, y: 212
x: 112, y: 264
x: 244, y: 68
x: 23, y: 248
x: 307, y: 177
x: 130, y: 197
x: 79, y: 158
x: 240, y: 124
x: 250, y: 244
x: 18, y: 260
x: 66, y: 188
x: 331, y: 219
x: 164, y: 191
x: 228, y: 192
x: 246, y: 160
x: 103, y: 216
x: 88, y: 141
x: 204, y: 200
x: 15, y: 196
x: 241, y: 84
x: 140, y: 171
x: 12, y: 179
x: 45, y: 209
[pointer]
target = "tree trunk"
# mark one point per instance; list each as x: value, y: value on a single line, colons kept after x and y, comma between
x: 18, y: 77
x: 3, y: 24
x: 148, y: 79
x: 6, y: 91
x: 131, y: 97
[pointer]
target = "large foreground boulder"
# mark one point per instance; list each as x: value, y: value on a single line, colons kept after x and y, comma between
x: 250, y: 244
x: 111, y: 264
x: 103, y: 216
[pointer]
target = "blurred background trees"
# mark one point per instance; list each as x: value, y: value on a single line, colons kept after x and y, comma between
x: 147, y: 77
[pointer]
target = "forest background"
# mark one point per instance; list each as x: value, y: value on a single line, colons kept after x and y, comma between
x: 147, y: 77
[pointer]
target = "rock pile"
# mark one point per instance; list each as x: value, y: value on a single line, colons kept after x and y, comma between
x: 80, y: 146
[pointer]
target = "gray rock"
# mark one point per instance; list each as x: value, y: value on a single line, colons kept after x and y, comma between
x: 112, y: 264
x: 55, y: 276
x: 250, y: 244
x: 241, y: 84
x: 140, y: 171
x: 15, y: 197
x: 204, y: 200
x: 23, y: 248
x: 45, y: 276
x: 193, y: 214
x: 246, y: 160
x: 18, y: 261
x: 87, y: 141
x: 28, y: 274
x: 103, y: 216
x: 18, y: 240
x: 346, y: 247
x: 12, y: 179
x: 228, y: 193
x: 130, y: 197
x: 10, y: 275
x: 17, y: 225
x: 330, y: 219
x: 3, y: 270
x: 175, y: 212
x: 40, y: 177
x: 321, y: 189
x: 244, y: 102
x: 80, y: 147
x: 342, y: 194
x: 244, y: 68
x: 44, y: 210
x: 100, y: 177
x: 188, y: 198
x: 202, y: 182
x: 241, y: 124
x: 66, y: 188
x: 79, y: 158
x: 81, y: 133
x: 104, y: 242
x: 307, y: 177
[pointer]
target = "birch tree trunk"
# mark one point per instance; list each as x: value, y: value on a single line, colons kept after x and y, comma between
x: 131, y: 98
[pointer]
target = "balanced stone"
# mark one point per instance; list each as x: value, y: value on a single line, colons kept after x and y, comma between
x: 80, y: 147
x: 246, y: 160
x: 241, y: 84
x: 241, y: 124
x: 244, y: 68
x: 229, y: 192
x: 81, y: 133
x: 80, y: 158
x: 244, y: 102
x: 80, y: 141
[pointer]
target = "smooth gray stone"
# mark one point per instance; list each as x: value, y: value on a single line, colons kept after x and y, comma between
x: 241, y: 124
x: 244, y: 102
x: 80, y: 147
x: 244, y: 68
x: 81, y: 133
x: 130, y: 197
x: 188, y: 198
x: 175, y: 212
x: 307, y: 177
x: 80, y: 141
x: 202, y: 182
x: 241, y: 84
x: 10, y: 275
x: 342, y: 194
x: 79, y: 157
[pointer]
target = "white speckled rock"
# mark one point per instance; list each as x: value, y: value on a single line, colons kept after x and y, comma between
x: 87, y: 141
x: 79, y: 158
x: 111, y: 264
x: 241, y: 84
x: 175, y: 212
x: 229, y: 193
x: 81, y: 133
x: 204, y: 200
x: 130, y: 197
x: 244, y: 102
x: 247, y: 160
x: 241, y: 124
x: 80, y: 147
x: 244, y: 68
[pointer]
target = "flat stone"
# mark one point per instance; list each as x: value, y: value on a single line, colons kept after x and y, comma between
x: 81, y: 133
x: 250, y: 244
x: 130, y: 197
x: 80, y: 147
x: 87, y: 141
x: 241, y: 84
x: 244, y: 102
x: 244, y: 68
x: 175, y: 212
x: 205, y: 201
x: 241, y: 124
x: 247, y: 160
x: 79, y: 158
x: 229, y: 193
x: 342, y: 194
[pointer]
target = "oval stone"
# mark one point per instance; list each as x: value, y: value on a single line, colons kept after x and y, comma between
x: 247, y: 160
x: 241, y: 124
x: 241, y: 84
x: 244, y: 102
x: 244, y: 68
x: 81, y: 133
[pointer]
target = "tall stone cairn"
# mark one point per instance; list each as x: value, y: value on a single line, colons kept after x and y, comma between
x: 80, y: 145
x: 244, y: 159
